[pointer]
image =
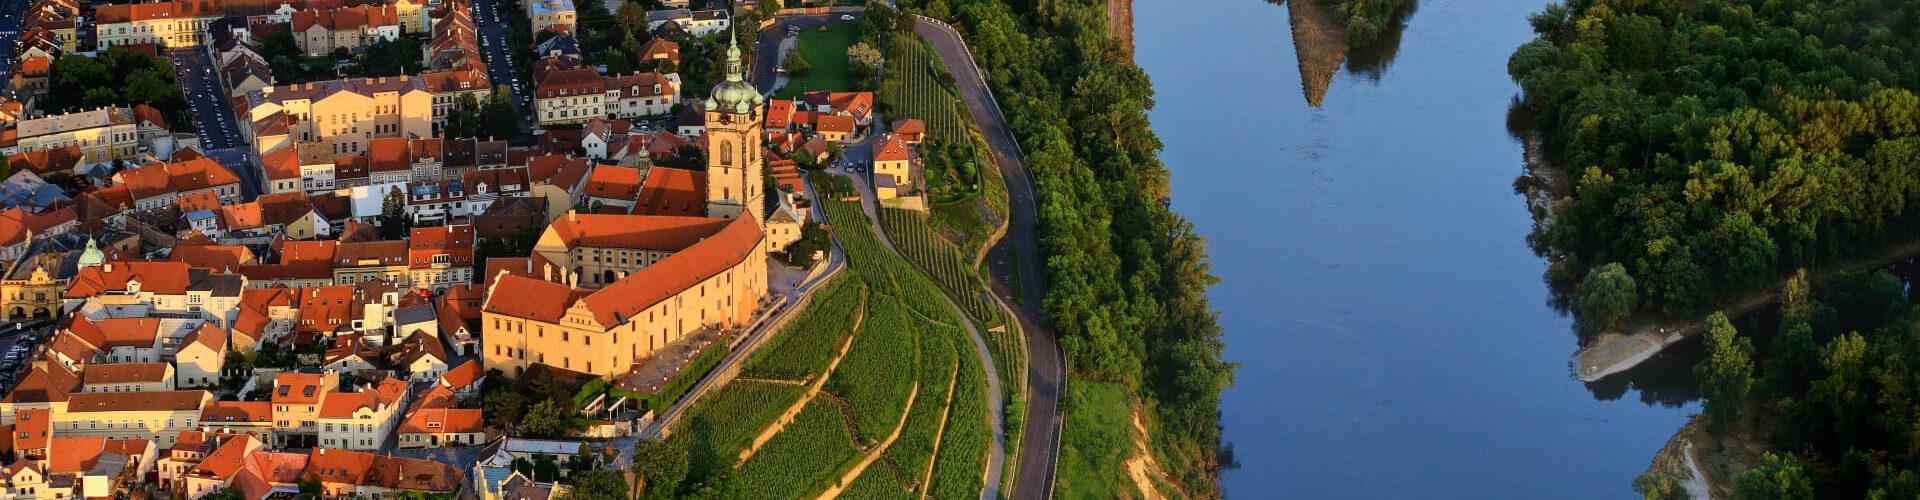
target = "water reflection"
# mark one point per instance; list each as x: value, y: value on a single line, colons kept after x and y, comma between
x: 1321, y: 48
x: 1666, y: 380
x: 1372, y: 60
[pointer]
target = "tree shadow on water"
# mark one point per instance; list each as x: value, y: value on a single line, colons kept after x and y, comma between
x: 1372, y: 60
x: 1666, y: 380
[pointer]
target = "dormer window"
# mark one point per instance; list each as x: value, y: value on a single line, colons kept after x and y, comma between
x: 133, y: 286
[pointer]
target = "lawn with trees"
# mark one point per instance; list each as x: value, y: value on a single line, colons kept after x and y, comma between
x: 120, y: 77
x: 825, y: 56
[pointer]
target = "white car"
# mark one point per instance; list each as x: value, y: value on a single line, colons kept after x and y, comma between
x: 846, y: 17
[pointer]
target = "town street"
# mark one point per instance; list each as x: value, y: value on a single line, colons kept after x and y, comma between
x: 10, y: 13
x: 493, y: 48
x: 213, y: 117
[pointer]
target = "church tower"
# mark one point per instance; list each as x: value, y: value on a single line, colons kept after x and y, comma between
x: 735, y: 167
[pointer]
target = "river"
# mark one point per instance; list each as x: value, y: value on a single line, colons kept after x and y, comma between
x: 1396, y: 337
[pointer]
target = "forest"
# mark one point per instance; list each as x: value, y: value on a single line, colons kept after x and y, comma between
x: 1127, y: 277
x: 1830, y: 394
x: 1713, y: 146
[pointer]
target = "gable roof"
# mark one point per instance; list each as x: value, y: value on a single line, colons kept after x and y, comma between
x: 164, y: 278
x: 124, y: 373
x: 614, y: 181
x: 297, y: 388
x: 216, y: 412
x: 672, y: 191
x: 90, y: 402
x: 650, y: 232
x: 893, y: 149
x: 462, y: 376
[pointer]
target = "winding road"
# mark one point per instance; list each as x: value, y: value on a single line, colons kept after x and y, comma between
x: 1046, y: 371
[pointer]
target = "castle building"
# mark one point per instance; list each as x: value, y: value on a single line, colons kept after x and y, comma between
x: 602, y: 293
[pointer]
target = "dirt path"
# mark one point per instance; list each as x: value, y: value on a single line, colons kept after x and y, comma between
x: 926, y: 477
x: 1142, y: 467
x: 786, y: 417
x: 874, y: 454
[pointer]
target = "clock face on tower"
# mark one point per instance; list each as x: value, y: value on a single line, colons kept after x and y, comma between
x: 726, y: 119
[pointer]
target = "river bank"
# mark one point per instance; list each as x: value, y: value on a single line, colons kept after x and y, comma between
x: 1705, y: 463
x: 1614, y: 352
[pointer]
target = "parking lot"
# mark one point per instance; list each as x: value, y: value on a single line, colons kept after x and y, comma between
x: 17, y: 344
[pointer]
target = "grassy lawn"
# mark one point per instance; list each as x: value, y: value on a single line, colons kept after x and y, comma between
x: 826, y: 54
x: 1095, y: 441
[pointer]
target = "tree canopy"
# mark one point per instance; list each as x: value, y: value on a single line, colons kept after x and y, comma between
x: 1714, y: 145
x: 120, y: 77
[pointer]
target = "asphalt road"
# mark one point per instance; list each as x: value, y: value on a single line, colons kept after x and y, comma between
x: 213, y: 117
x: 1046, y: 369
x: 493, y: 48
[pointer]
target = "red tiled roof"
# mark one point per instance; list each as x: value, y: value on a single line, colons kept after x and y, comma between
x: 226, y: 460
x: 834, y: 123
x: 708, y: 257
x: 343, y: 404
x: 326, y: 308
x: 522, y: 297
x: 297, y: 388
x: 388, y: 154
x: 672, y: 191
x: 217, y: 412
x: 47, y: 382
x: 307, y: 251
x: 443, y: 420
x: 123, y: 373
x: 207, y: 336
x: 216, y: 257
x: 74, y: 454
x: 281, y: 164
x: 462, y: 376
x: 166, y: 278
x: 371, y: 253
x: 635, y: 231
x: 613, y: 181
x: 909, y: 126
x: 180, y: 176
x: 893, y: 149
x: 31, y: 428
x: 120, y: 332
x: 779, y: 111
x: 454, y: 241
x: 574, y: 82
x: 89, y: 402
